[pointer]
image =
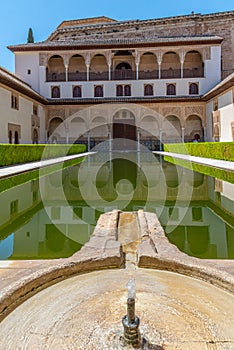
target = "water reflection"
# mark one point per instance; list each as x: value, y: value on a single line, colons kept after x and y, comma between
x: 197, y: 211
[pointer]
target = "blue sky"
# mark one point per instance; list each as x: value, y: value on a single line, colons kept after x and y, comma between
x: 17, y: 16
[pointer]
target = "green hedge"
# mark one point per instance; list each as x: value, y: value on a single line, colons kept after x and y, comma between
x: 216, y: 150
x: 16, y: 154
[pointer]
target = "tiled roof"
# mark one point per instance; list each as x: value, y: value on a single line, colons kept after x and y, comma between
x: 225, y: 84
x: 85, y: 42
x: 11, y: 80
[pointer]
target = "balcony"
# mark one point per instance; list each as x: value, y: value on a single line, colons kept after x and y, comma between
x: 93, y: 76
x: 124, y: 74
x: 194, y: 73
x: 77, y: 76
x: 52, y: 77
x: 170, y: 73
x: 148, y: 74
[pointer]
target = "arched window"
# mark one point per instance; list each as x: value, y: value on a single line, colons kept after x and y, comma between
x: 119, y: 90
x: 148, y: 90
x: 127, y: 90
x: 98, y: 91
x: 77, y: 91
x: 171, y: 89
x: 10, y: 136
x: 193, y: 89
x: 16, y: 137
x: 55, y: 92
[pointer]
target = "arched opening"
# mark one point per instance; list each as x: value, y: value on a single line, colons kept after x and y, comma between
x: 150, y: 132
x: 127, y: 90
x: 78, y: 130
x: 98, y: 91
x: 77, y: 91
x: 148, y: 90
x: 124, y: 128
x: 16, y: 137
x: 55, y: 92
x: 171, y: 128
x: 148, y: 67
x: 10, y: 136
x: 55, y: 69
x: 77, y: 69
x: 123, y: 71
x: 171, y: 89
x: 193, y: 89
x: 119, y: 90
x: 54, y: 130
x: 170, y: 67
x: 193, y: 65
x: 98, y: 68
x: 193, y: 129
x: 35, y: 136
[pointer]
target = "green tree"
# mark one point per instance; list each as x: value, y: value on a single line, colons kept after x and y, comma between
x: 30, y: 36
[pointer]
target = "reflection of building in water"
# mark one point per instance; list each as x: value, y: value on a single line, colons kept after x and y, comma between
x: 188, y: 203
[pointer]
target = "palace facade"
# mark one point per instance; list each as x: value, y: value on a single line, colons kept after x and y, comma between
x: 151, y: 81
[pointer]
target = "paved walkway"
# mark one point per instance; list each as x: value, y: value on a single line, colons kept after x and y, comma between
x: 215, y: 163
x: 22, y: 168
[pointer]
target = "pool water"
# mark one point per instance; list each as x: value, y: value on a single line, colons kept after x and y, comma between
x: 53, y: 216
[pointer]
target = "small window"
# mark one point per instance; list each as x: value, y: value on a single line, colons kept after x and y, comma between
x: 14, y: 101
x: 171, y: 89
x: 193, y: 89
x: 14, y: 206
x: 127, y: 90
x: 148, y: 90
x: 77, y: 91
x: 119, y: 90
x: 98, y: 91
x: 29, y: 71
x: 55, y: 92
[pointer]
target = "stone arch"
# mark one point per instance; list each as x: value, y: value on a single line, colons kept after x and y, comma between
x: 54, y: 130
x: 193, y: 126
x: 171, y: 129
x: 193, y: 65
x: 148, y: 67
x: 77, y: 68
x: 55, y: 70
x: 123, y: 65
x: 78, y: 129
x: 99, y: 128
x: 170, y: 67
x: 149, y: 127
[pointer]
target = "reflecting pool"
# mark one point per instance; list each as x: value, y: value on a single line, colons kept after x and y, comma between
x: 54, y: 215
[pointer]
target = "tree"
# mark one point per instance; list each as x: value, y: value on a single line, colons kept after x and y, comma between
x: 30, y: 36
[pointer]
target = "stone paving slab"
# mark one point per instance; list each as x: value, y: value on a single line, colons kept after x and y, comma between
x: 215, y: 163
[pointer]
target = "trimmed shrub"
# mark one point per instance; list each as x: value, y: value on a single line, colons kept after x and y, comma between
x: 16, y: 154
x: 215, y: 150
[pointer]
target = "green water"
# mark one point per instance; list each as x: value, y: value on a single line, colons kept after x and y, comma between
x: 53, y: 216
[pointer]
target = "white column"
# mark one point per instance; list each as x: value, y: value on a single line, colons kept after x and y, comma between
x: 67, y: 135
x: 66, y: 72
x: 87, y: 72
x: 109, y: 71
x: 205, y: 136
x: 137, y: 71
x: 182, y: 70
x: 160, y: 139
x: 138, y: 140
x: 159, y: 70
x: 182, y: 135
x: 88, y: 141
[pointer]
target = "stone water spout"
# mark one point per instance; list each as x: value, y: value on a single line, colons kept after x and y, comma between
x: 131, y: 321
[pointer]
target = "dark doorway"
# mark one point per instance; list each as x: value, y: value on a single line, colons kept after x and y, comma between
x: 124, y: 129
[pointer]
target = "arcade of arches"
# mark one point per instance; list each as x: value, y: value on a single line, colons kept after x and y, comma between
x: 150, y: 130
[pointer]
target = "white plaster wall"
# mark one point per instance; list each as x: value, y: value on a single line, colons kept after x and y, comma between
x: 21, y: 116
x: 209, y: 122
x: 25, y: 61
x: 213, y: 68
x: 226, y: 118
x: 5, y: 113
x: 225, y: 99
